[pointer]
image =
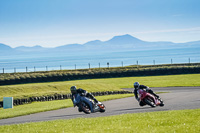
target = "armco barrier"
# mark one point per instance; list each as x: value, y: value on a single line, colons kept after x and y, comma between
x: 60, y: 97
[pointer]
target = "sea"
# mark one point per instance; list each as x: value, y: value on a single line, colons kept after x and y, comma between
x: 71, y: 61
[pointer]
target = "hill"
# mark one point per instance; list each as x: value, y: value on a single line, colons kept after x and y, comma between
x: 117, y: 43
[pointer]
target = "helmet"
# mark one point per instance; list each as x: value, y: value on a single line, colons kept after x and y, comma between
x: 73, y: 89
x: 136, y: 84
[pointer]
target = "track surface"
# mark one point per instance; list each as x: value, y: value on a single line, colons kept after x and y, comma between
x: 178, y: 98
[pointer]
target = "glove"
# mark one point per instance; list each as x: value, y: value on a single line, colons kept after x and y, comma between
x: 83, y: 94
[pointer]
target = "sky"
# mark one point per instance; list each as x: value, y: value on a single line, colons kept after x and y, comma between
x: 51, y: 23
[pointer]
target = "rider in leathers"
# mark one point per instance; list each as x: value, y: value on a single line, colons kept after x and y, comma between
x: 137, y: 86
x: 82, y: 92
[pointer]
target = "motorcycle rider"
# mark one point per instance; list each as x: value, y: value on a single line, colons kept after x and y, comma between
x: 137, y: 86
x: 82, y: 92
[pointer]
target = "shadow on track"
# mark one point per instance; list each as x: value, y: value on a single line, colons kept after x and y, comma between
x: 62, y: 116
x: 131, y: 109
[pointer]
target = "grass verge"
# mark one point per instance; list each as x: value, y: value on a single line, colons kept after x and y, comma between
x: 48, y: 105
x: 180, y: 121
x: 93, y: 85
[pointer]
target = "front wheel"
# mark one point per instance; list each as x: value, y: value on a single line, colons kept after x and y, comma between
x: 162, y: 103
x: 102, y: 108
x: 149, y: 102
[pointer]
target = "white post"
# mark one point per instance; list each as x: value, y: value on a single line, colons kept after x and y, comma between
x: 7, y: 102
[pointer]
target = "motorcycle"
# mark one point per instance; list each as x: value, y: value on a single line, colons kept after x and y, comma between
x: 149, y: 99
x: 87, y: 105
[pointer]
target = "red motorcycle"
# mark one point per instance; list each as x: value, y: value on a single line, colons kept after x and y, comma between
x: 149, y: 99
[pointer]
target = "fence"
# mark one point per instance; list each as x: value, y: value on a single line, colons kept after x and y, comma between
x: 21, y: 78
x: 75, y: 67
x: 34, y: 69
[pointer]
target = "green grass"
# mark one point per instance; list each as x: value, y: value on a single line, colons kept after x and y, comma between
x: 181, y: 121
x: 93, y: 85
x: 48, y: 105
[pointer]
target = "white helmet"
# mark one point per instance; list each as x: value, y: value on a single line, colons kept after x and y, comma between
x: 136, y: 84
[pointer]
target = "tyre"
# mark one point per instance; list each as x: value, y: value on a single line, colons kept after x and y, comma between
x: 161, y: 103
x: 80, y: 109
x: 149, y: 102
x: 85, y: 108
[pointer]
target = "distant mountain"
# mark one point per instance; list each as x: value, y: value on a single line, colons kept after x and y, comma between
x: 124, y: 40
x: 93, y: 43
x: 69, y: 47
x: 193, y: 43
x: 28, y: 49
x: 115, y: 44
x: 4, y: 47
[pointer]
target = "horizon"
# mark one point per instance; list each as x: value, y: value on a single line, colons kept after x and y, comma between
x: 50, y: 23
x: 92, y: 41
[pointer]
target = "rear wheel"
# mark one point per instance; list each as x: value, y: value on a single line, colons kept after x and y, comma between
x: 149, y: 102
x: 85, y: 108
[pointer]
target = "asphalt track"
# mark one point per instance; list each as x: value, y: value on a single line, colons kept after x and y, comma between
x: 177, y: 98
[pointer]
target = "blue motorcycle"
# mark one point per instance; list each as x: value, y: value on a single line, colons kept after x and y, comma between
x: 87, y: 105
